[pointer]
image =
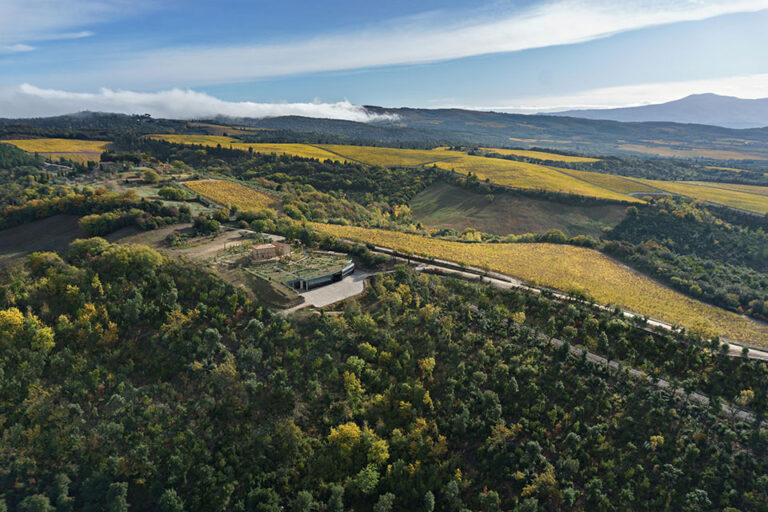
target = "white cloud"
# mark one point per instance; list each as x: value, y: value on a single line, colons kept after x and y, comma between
x: 418, y: 40
x: 15, y: 48
x: 745, y: 86
x: 29, y: 101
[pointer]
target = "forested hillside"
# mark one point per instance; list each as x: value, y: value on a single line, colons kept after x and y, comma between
x: 132, y: 380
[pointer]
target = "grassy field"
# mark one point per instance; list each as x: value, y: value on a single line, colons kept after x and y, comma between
x: 230, y: 193
x: 71, y: 149
x: 541, y: 155
x: 716, y: 193
x: 570, y: 268
x: 300, y: 150
x: 446, y: 206
x: 529, y: 176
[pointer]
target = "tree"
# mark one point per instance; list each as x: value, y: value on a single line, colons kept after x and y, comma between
x: 116, y: 497
x: 385, y: 502
x: 36, y: 503
x: 367, y: 479
x: 303, y: 502
x: 697, y: 501
x: 62, y: 499
x: 170, y: 502
x: 489, y: 500
x: 151, y: 176
x: 429, y: 502
x: 336, y: 501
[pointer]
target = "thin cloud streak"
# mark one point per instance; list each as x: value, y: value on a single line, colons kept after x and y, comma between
x: 411, y: 42
x: 29, y: 101
x: 45, y: 20
x: 15, y: 48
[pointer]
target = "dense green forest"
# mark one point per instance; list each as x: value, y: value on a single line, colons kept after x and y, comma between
x: 129, y: 379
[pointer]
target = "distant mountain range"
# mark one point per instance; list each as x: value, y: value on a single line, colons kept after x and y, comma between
x: 711, y: 109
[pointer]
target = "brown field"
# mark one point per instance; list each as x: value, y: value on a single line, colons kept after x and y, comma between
x: 446, y: 206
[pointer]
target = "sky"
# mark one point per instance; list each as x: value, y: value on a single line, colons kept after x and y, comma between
x: 260, y: 58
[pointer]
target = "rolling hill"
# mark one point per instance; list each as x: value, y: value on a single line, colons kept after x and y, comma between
x: 446, y: 126
x: 529, y: 131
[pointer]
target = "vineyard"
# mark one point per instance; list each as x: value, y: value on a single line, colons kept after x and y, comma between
x: 70, y: 149
x: 570, y: 268
x: 300, y: 150
x: 509, y: 173
x: 393, y: 157
x: 735, y: 187
x: 541, y: 155
x: 529, y: 176
x: 612, y: 182
x: 230, y: 193
x: 750, y: 198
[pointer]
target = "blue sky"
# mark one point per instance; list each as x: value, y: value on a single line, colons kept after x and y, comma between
x: 190, y: 58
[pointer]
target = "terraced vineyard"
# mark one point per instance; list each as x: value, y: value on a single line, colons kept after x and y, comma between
x: 70, y: 149
x: 541, y: 155
x: 570, y: 268
x: 230, y: 193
